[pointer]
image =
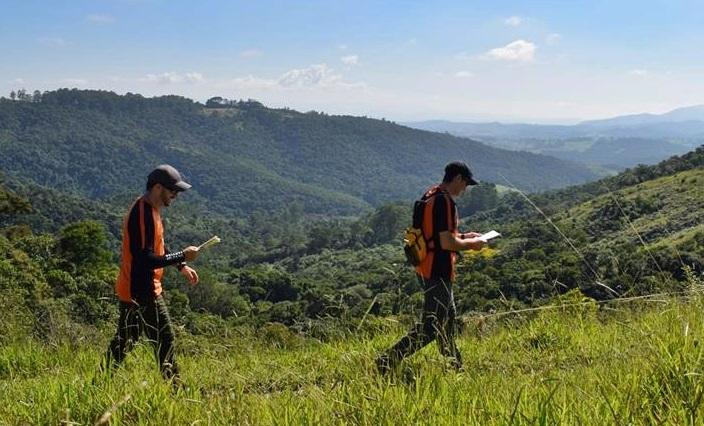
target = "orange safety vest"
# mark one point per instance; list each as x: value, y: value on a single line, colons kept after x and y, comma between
x: 426, y: 267
x: 142, y: 230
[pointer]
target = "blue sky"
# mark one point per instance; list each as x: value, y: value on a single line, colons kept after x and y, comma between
x: 538, y: 61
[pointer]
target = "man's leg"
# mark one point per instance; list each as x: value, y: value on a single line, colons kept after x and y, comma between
x: 446, y: 334
x: 161, y: 333
x: 128, y: 331
x: 420, y: 335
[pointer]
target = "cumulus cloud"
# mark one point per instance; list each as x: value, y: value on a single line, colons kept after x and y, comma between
x: 350, y: 60
x: 18, y: 81
x: 315, y: 75
x: 463, y: 74
x: 513, y: 21
x: 251, y: 53
x: 52, y: 41
x: 100, y: 19
x: 516, y: 51
x: 174, y: 78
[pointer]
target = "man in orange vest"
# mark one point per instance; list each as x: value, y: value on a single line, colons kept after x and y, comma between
x: 436, y: 271
x: 138, y: 287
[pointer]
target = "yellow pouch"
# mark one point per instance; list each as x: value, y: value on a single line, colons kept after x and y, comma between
x: 414, y: 246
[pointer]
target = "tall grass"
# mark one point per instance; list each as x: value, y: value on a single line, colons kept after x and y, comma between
x: 639, y: 363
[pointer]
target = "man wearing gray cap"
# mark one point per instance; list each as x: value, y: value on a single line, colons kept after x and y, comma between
x: 144, y: 256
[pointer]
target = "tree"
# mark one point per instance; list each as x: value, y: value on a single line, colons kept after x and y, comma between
x: 388, y: 221
x: 480, y: 197
x: 85, y: 245
x: 215, y: 102
x: 11, y: 204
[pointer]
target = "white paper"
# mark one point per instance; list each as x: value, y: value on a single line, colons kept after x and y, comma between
x: 214, y: 240
x: 489, y: 235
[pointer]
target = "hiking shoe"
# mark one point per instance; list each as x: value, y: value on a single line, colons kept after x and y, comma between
x: 457, y: 365
x: 383, y: 365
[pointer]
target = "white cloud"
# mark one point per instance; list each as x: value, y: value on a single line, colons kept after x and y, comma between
x: 74, y: 81
x: 52, y: 41
x: 194, y: 77
x: 638, y: 72
x: 174, y: 78
x: 342, y: 46
x: 18, y: 81
x: 463, y: 74
x: 315, y: 75
x: 100, y: 19
x: 553, y: 38
x: 516, y: 51
x: 350, y: 60
x: 251, y: 53
x: 513, y: 21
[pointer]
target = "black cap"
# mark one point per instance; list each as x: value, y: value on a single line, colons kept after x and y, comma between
x: 459, y: 168
x: 168, y: 177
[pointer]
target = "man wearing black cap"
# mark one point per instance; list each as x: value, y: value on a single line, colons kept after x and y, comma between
x: 436, y: 271
x: 144, y: 256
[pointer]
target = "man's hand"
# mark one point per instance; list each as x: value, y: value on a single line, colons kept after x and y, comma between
x: 191, y: 253
x: 474, y: 243
x: 190, y: 274
x: 471, y: 235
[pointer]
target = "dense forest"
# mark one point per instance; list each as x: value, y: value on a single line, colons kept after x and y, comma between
x: 241, y: 156
x: 632, y: 234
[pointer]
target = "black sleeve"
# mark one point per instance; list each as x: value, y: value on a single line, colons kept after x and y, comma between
x: 179, y: 266
x: 440, y: 215
x: 144, y: 253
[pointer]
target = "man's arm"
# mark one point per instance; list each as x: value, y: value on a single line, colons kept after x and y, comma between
x: 179, y: 266
x: 140, y: 226
x: 451, y: 242
x: 444, y: 221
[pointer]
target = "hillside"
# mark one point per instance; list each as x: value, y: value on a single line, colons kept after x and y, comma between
x: 244, y: 157
x: 633, y: 233
x: 578, y: 363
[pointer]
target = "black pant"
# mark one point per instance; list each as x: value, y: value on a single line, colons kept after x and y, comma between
x: 438, y: 321
x: 152, y: 318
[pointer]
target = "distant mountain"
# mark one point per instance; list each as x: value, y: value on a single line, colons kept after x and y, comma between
x: 614, y: 143
x: 243, y: 157
x: 692, y: 113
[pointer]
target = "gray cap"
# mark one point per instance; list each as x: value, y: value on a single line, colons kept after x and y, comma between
x: 168, y: 177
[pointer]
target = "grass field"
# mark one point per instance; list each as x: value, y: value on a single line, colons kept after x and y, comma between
x: 578, y: 363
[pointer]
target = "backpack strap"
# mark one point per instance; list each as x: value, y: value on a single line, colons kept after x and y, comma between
x: 434, y: 241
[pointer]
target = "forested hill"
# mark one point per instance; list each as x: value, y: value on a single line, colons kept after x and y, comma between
x: 242, y: 156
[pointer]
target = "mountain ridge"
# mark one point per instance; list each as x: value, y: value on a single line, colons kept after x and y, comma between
x: 101, y: 144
